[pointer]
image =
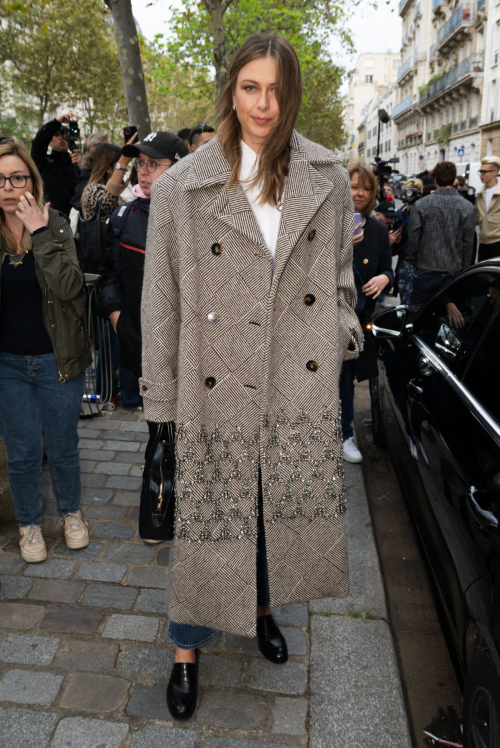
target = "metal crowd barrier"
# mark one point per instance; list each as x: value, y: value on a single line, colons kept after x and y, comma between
x: 99, y: 375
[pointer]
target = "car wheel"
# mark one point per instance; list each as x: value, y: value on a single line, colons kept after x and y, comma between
x: 377, y: 422
x: 482, y: 704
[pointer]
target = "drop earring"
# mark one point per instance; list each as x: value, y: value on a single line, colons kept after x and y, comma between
x: 234, y: 108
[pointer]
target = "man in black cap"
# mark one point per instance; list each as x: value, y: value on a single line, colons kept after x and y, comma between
x: 123, y: 268
x: 386, y: 213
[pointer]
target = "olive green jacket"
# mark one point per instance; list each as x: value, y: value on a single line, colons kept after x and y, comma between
x: 62, y: 284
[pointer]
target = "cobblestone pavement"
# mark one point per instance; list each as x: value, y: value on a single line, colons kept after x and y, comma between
x: 84, y: 660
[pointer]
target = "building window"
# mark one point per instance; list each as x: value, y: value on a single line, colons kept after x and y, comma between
x: 368, y: 78
x: 396, y: 64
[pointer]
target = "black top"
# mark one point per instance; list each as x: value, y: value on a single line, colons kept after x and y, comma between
x: 22, y: 330
x: 373, y: 256
x: 58, y: 173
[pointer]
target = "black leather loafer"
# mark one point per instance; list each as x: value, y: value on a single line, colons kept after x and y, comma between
x: 271, y: 641
x: 182, y: 689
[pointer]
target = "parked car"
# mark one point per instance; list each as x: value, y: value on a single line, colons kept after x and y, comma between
x: 436, y: 405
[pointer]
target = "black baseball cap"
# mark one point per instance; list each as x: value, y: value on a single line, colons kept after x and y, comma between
x: 158, y: 145
x: 386, y: 208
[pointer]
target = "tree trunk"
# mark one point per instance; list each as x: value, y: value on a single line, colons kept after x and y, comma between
x: 216, y: 10
x: 131, y: 65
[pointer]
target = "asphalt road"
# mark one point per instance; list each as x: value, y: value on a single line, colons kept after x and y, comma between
x: 432, y: 692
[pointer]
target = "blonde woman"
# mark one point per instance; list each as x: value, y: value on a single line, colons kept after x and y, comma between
x: 44, y: 352
x: 248, y: 312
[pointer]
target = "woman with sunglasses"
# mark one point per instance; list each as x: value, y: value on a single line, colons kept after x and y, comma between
x: 44, y: 352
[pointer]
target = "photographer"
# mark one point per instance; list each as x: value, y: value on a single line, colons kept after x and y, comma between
x: 405, y: 270
x: 440, y: 235
x: 58, y: 168
x: 386, y: 213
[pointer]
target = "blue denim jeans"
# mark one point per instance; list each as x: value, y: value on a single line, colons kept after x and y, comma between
x: 406, y: 274
x: 194, y: 637
x: 346, y: 392
x: 38, y: 413
x: 426, y: 283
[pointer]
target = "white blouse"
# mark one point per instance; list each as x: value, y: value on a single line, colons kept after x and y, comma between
x: 267, y: 216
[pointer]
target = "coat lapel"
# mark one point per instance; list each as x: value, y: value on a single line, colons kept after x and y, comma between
x: 306, y: 190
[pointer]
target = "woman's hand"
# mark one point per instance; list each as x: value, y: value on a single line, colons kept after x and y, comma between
x: 30, y: 214
x: 375, y: 285
x: 358, y: 238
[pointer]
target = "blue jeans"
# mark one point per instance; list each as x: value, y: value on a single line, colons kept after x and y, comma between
x: 406, y: 275
x: 38, y: 413
x: 425, y: 284
x: 346, y: 391
x: 194, y: 637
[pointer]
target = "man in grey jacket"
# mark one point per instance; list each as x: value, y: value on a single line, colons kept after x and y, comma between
x: 440, y: 235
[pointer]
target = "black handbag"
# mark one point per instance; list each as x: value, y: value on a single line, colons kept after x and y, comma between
x: 92, y: 241
x: 156, y: 510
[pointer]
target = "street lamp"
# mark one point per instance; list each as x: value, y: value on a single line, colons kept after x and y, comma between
x: 382, y: 117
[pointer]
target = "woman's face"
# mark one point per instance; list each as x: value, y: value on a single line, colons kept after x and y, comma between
x: 255, y: 100
x: 361, y: 194
x: 13, y: 166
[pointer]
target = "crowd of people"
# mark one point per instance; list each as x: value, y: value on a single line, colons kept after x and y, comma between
x: 252, y: 356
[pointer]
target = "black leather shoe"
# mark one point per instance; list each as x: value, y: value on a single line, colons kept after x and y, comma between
x: 272, y: 643
x: 182, y: 689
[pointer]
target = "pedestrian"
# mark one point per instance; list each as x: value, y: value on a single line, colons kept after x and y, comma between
x: 247, y: 313
x: 59, y: 168
x: 488, y: 209
x: 200, y: 135
x: 105, y: 182
x: 85, y: 165
x: 44, y: 352
x: 183, y: 134
x: 440, y: 235
x: 372, y: 259
x: 122, y: 269
x: 405, y: 270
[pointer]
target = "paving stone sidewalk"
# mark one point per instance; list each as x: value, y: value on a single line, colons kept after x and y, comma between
x: 84, y: 660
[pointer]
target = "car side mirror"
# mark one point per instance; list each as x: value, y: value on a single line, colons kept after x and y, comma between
x: 391, y: 323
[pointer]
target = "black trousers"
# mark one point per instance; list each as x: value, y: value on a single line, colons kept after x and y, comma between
x: 487, y: 251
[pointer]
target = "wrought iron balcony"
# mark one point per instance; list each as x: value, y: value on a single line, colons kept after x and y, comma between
x: 472, y: 64
x: 405, y: 68
x: 462, y: 17
x: 402, y: 6
x: 481, y: 4
x: 402, y: 106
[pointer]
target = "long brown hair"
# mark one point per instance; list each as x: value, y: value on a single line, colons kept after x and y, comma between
x: 14, y: 148
x: 91, y: 143
x: 275, y: 155
x: 106, y: 155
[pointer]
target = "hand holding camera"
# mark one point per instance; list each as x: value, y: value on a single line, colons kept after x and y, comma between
x: 66, y: 117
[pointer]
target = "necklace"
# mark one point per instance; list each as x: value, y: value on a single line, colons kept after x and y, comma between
x: 20, y: 257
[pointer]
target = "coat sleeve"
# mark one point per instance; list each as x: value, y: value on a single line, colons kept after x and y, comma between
x: 160, y: 309
x: 55, y: 253
x: 41, y: 141
x: 351, y: 334
x: 414, y: 233
x: 110, y: 296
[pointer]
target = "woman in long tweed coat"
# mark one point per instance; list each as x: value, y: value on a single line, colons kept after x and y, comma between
x: 248, y: 313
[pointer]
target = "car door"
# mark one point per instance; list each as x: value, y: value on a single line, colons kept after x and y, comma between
x: 445, y: 431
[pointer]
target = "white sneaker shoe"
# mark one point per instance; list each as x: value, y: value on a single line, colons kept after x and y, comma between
x: 32, y: 544
x: 76, y: 531
x: 151, y: 542
x: 351, y: 452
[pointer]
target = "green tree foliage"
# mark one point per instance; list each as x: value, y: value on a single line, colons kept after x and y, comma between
x: 197, y: 47
x: 58, y: 53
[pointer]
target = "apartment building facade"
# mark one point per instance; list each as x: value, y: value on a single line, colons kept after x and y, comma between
x: 490, y: 110
x: 368, y: 129
x: 371, y: 77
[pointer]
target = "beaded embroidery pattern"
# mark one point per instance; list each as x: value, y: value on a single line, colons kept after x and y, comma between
x: 302, y: 476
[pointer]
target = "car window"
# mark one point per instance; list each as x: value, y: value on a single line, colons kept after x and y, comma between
x: 483, y: 370
x: 455, y: 321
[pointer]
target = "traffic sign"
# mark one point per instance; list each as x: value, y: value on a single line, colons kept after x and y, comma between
x: 461, y: 151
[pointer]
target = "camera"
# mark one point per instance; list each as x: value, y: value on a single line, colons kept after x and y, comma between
x: 409, y: 198
x: 71, y: 133
x: 395, y: 224
x: 384, y: 168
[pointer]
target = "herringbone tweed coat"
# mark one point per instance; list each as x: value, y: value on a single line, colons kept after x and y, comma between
x: 246, y: 357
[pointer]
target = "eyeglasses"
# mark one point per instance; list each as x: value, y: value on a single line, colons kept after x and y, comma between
x: 150, y: 165
x: 486, y: 171
x: 18, y: 180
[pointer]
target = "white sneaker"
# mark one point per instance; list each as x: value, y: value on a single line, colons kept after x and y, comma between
x: 76, y: 531
x: 351, y: 452
x: 32, y: 544
x: 151, y: 542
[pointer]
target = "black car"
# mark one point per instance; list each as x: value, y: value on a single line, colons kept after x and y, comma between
x: 436, y: 405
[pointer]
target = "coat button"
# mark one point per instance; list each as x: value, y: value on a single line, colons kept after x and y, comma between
x: 210, y: 383
x: 365, y: 261
x: 312, y: 365
x: 309, y: 299
x: 311, y: 234
x: 217, y: 249
x: 213, y: 317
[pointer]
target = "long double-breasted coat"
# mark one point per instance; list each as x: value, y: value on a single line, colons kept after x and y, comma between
x: 245, y: 356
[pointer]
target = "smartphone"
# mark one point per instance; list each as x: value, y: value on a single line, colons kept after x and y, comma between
x: 357, y: 219
x: 128, y: 131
